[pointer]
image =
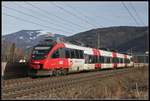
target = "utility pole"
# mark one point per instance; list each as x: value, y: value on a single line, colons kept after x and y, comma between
x: 98, y: 40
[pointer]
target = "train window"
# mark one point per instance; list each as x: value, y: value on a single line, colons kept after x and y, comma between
x: 86, y: 58
x: 96, y: 59
x: 72, y: 53
x: 77, y: 54
x: 121, y: 60
x: 81, y: 54
x: 90, y: 59
x: 118, y: 60
x: 93, y: 59
x: 67, y: 53
x: 105, y: 59
x: 115, y: 60
x: 127, y: 61
x: 108, y: 59
x: 101, y: 58
x: 62, y: 52
x: 56, y: 54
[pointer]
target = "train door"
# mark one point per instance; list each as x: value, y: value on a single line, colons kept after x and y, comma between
x: 76, y: 60
x: 89, y: 62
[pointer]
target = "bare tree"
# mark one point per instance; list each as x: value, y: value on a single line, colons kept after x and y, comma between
x: 11, y: 53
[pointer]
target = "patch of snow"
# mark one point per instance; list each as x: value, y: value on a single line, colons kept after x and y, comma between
x: 21, y: 37
x: 34, y: 37
x: 30, y: 33
x: 42, y: 33
x: 31, y: 38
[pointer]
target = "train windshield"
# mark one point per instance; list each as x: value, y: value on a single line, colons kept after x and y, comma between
x: 40, y: 52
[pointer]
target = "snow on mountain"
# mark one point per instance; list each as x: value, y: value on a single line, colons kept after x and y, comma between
x: 42, y: 33
x: 28, y: 38
x: 20, y: 37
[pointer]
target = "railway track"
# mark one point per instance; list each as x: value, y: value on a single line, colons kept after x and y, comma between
x: 28, y: 88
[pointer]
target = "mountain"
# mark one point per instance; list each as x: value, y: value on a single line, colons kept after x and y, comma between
x: 28, y: 38
x: 120, y: 38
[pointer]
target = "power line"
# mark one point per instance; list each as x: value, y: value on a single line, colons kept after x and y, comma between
x: 129, y: 12
x: 70, y: 22
x: 30, y: 15
x: 24, y: 20
x: 41, y: 14
x: 87, y: 20
x: 85, y: 16
x: 32, y: 22
x: 137, y: 13
x: 72, y: 14
x: 45, y: 12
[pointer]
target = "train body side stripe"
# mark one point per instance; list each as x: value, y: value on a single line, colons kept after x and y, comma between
x: 96, y: 53
x: 125, y: 57
x: 114, y: 55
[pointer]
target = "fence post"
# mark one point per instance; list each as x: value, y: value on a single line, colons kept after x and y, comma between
x: 3, y: 68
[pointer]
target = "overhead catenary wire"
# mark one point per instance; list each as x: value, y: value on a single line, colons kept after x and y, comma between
x: 47, y: 16
x: 62, y: 19
x: 129, y: 13
x: 87, y: 19
x: 136, y: 13
x: 85, y: 16
x: 21, y: 19
x: 30, y: 16
x: 44, y: 16
x: 72, y: 14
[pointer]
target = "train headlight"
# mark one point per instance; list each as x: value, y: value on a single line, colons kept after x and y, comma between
x: 36, y: 62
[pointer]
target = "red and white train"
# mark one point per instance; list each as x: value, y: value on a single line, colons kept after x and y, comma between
x: 56, y: 58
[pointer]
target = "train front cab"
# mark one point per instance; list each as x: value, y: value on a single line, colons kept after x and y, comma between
x: 58, y: 61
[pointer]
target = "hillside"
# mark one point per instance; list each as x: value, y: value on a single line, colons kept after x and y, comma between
x: 28, y: 38
x: 24, y: 41
x: 120, y: 38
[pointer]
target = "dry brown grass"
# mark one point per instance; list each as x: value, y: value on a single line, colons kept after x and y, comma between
x: 131, y: 85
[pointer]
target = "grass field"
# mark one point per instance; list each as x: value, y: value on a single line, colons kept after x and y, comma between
x: 131, y: 85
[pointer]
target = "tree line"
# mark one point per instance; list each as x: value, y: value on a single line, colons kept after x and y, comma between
x: 11, y: 53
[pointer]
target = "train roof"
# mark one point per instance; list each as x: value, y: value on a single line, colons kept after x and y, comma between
x: 89, y: 49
